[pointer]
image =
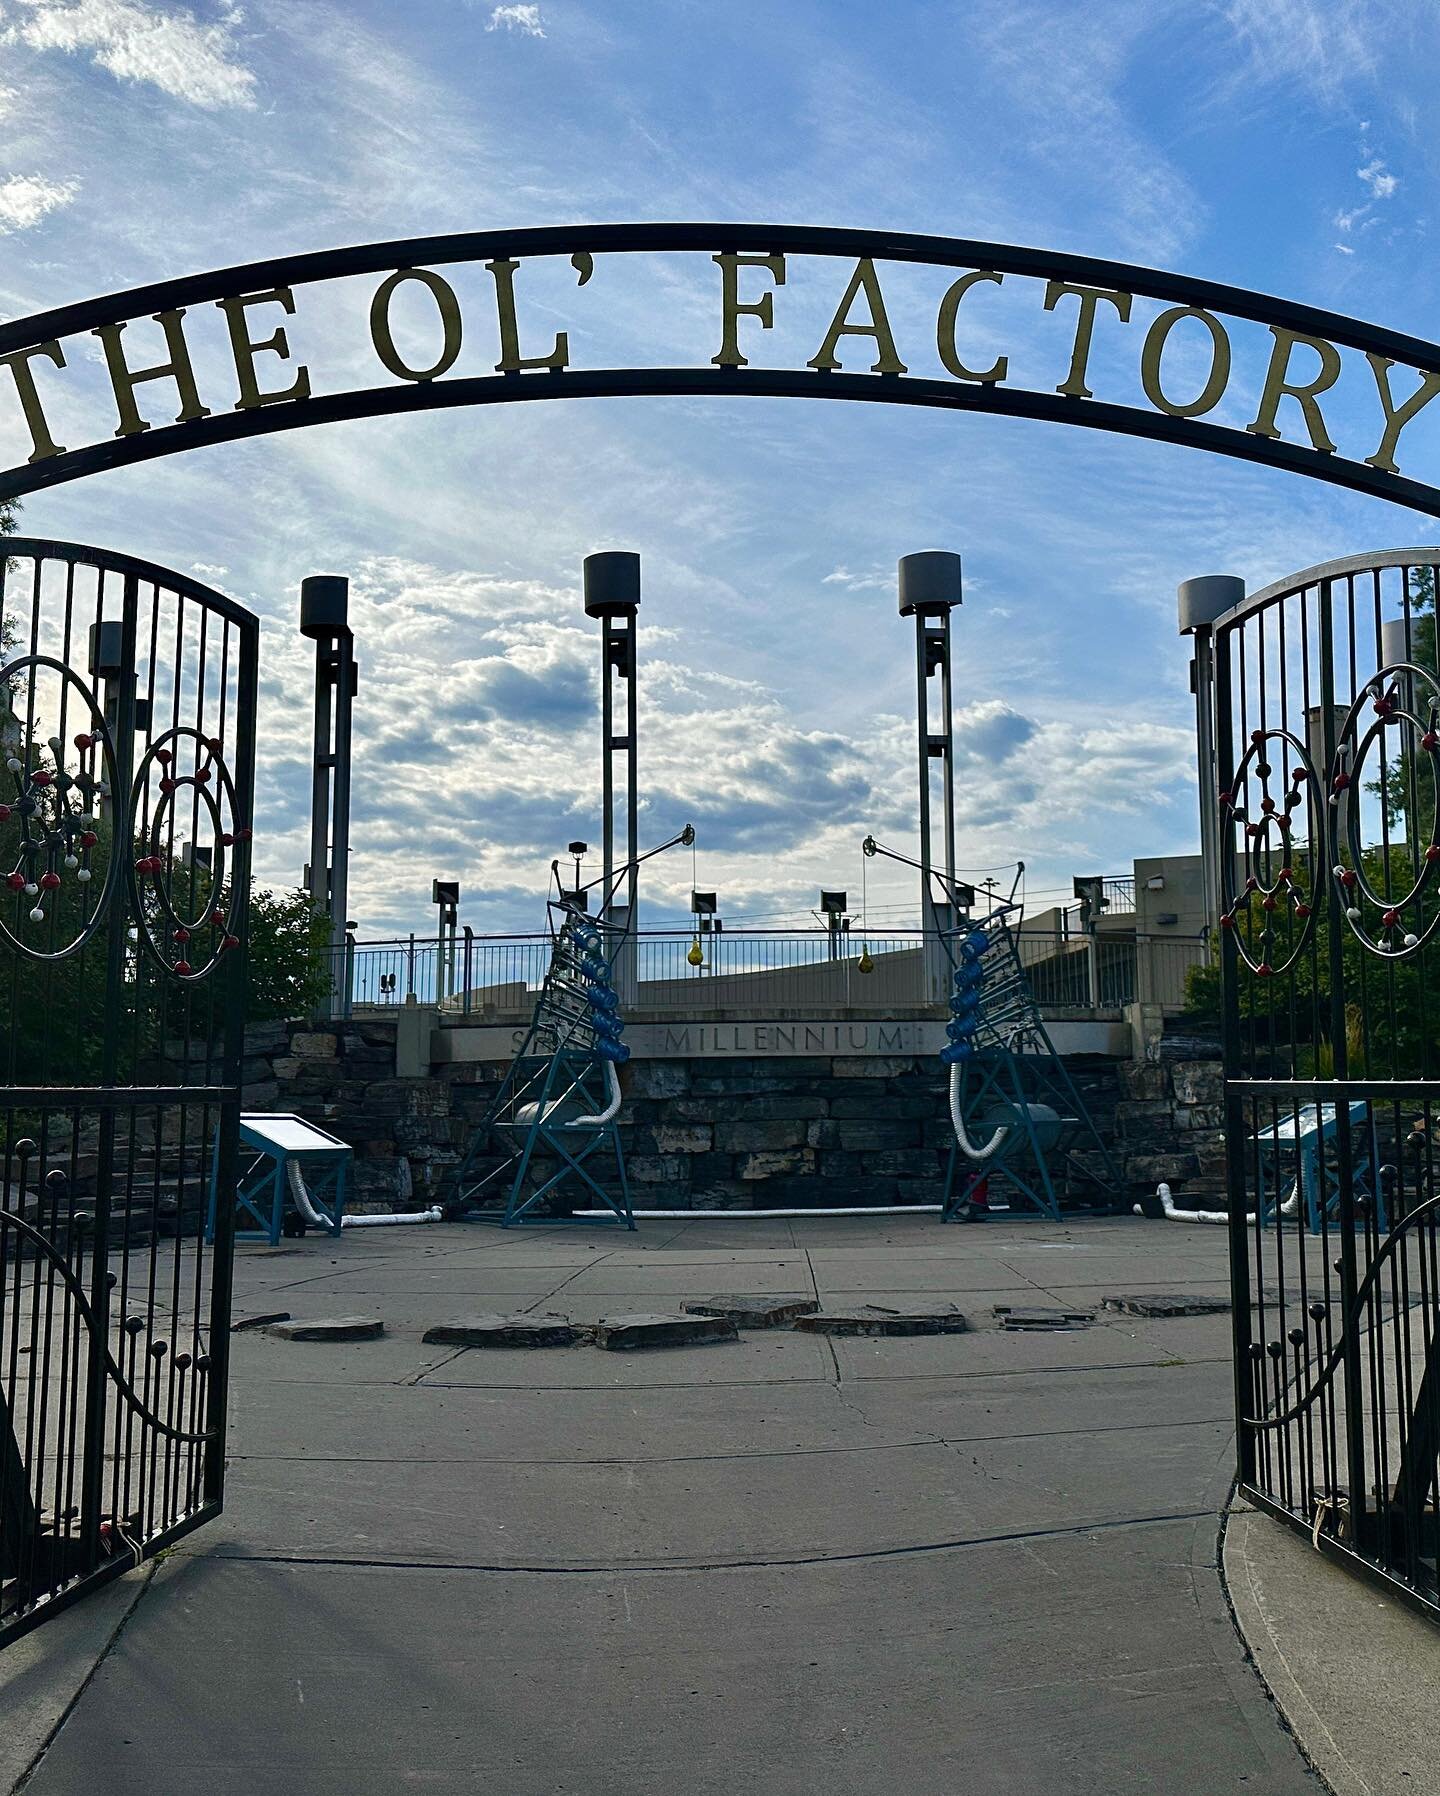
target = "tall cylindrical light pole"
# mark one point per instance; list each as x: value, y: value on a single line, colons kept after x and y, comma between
x: 1201, y: 601
x: 324, y: 617
x: 929, y: 590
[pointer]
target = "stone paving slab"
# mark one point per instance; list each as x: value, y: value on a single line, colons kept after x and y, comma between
x: 328, y: 1330
x: 505, y: 1331
x: 637, y: 1332
x: 1070, y: 1666
x: 411, y: 1313
x: 1167, y: 1305
x: 1202, y: 1290
x: 599, y: 1514
x: 918, y: 1317
x: 646, y: 1253
x: 977, y: 1304
x: 1021, y: 1315
x: 1109, y: 1271
x: 755, y: 1311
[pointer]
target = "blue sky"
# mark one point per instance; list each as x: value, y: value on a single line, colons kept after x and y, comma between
x: 1275, y: 144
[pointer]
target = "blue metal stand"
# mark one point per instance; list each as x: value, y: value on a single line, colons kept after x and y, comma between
x: 552, y: 1133
x: 1009, y: 1078
x: 1299, y: 1139
x: 269, y: 1147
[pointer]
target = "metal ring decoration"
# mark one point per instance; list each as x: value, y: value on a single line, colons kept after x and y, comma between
x: 58, y: 813
x: 1272, y: 878
x: 152, y: 871
x: 1397, y: 694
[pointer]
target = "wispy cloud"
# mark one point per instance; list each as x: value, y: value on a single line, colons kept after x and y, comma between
x: 1382, y: 185
x: 1378, y: 179
x: 874, y: 581
x: 1075, y: 118
x: 169, y: 48
x: 26, y: 199
x: 1323, y: 44
x: 522, y: 18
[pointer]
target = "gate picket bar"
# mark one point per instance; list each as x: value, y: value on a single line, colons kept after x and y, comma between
x: 1326, y: 834
x: 127, y: 712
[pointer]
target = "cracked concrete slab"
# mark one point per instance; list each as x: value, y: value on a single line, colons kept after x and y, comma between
x: 945, y: 1569
x: 375, y: 1679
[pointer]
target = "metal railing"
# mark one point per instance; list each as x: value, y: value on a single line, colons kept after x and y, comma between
x: 764, y: 972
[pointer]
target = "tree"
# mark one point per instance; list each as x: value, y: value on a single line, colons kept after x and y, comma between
x: 1392, y: 1022
x: 289, y: 957
x: 1407, y: 782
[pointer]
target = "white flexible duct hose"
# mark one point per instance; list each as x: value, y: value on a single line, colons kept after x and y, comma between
x: 611, y: 1110
x: 302, y: 1198
x: 318, y: 1219
x: 967, y: 1147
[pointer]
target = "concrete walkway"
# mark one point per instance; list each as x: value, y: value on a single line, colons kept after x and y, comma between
x: 981, y: 1562
x: 1354, y: 1671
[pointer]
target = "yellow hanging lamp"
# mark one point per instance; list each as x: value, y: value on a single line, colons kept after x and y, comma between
x: 866, y: 963
x: 696, y: 956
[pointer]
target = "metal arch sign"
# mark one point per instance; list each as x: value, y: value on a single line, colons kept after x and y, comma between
x: 255, y: 371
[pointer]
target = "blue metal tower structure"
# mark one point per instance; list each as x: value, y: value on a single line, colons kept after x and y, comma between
x: 549, y: 1142
x: 1014, y: 1107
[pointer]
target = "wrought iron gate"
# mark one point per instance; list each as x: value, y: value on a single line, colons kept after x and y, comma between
x: 1327, y: 744
x: 127, y: 706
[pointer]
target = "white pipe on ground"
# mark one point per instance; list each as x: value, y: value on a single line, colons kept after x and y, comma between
x: 1172, y: 1214
x: 393, y: 1218
x: 761, y: 1215
x: 318, y: 1219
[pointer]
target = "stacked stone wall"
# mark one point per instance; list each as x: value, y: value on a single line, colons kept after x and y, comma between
x: 724, y: 1134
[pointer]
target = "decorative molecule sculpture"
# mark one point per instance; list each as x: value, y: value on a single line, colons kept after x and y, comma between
x: 57, y: 805
x: 169, y: 929
x: 59, y: 815
x: 1397, y: 714
x: 53, y: 796
x: 1397, y: 696
x: 1275, y: 875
